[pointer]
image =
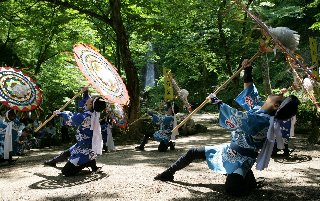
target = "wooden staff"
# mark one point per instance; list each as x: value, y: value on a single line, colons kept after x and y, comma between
x: 216, y: 91
x: 62, y: 108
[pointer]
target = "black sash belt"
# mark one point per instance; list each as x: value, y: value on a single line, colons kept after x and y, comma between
x: 244, y: 151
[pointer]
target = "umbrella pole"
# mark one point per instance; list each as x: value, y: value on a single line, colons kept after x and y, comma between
x: 62, y: 108
x: 215, y: 92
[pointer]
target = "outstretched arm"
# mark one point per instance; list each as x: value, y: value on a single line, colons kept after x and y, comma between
x: 233, y: 119
x: 70, y: 118
x: 247, y: 77
x: 85, y: 97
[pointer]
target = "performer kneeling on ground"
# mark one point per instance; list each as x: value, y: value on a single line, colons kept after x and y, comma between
x: 64, y: 156
x: 89, y: 138
x: 251, y: 131
x: 164, y: 135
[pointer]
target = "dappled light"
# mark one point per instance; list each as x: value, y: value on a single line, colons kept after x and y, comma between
x: 292, y: 159
x: 126, y: 170
x: 160, y: 100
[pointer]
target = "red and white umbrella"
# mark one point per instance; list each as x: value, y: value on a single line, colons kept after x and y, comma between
x: 101, y: 74
x: 18, y: 91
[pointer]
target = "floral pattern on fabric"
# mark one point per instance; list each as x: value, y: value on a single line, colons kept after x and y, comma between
x: 249, y: 131
x: 81, y: 152
x: 166, y: 126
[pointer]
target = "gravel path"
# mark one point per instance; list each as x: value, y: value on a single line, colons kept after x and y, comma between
x: 128, y: 175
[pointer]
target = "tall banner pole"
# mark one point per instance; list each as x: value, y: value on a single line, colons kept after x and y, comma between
x: 314, y: 55
x: 168, y: 90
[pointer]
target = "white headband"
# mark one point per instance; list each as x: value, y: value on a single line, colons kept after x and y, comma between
x: 7, y: 115
x: 172, y: 107
x: 94, y: 100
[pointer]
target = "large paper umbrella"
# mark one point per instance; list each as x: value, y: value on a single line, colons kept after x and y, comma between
x: 101, y: 74
x: 18, y: 91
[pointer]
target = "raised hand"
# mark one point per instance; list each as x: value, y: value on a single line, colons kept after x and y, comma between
x: 214, y: 99
x: 57, y: 112
x: 246, y: 63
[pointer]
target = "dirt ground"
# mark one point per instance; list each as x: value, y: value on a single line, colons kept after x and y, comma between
x: 128, y: 174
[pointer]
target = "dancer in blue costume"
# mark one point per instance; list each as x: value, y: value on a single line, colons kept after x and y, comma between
x: 251, y: 132
x: 9, y: 128
x: 287, y: 131
x: 64, y: 156
x: 164, y: 134
x: 89, y: 138
x: 106, y: 130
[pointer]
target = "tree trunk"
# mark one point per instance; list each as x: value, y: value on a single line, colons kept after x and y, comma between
x: 118, y: 58
x: 266, y: 76
x: 131, y: 72
x: 223, y: 38
x: 8, y: 56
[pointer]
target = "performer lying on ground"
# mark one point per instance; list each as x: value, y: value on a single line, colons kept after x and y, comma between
x: 89, y: 138
x: 252, y: 131
x: 164, y: 135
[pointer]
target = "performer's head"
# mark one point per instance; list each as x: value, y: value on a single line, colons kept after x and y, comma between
x: 95, y: 103
x: 273, y: 103
x: 26, y: 131
x: 281, y: 107
x: 10, y: 115
x: 88, y: 105
x: 99, y: 104
x: 288, y: 108
x: 171, y: 108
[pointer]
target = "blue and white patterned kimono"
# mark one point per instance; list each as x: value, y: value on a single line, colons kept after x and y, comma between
x: 16, y: 127
x: 166, y: 126
x: 2, y: 135
x: 85, y: 97
x: 249, y: 132
x: 104, y: 132
x: 81, y: 152
x: 287, y: 129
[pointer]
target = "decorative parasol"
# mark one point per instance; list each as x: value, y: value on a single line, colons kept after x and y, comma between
x: 101, y: 74
x: 18, y: 91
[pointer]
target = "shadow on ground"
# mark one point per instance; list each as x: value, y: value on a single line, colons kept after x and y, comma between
x: 98, y: 196
x: 269, y: 192
x: 54, y: 182
x: 292, y: 159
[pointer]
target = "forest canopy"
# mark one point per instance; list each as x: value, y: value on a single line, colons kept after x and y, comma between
x: 202, y: 42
